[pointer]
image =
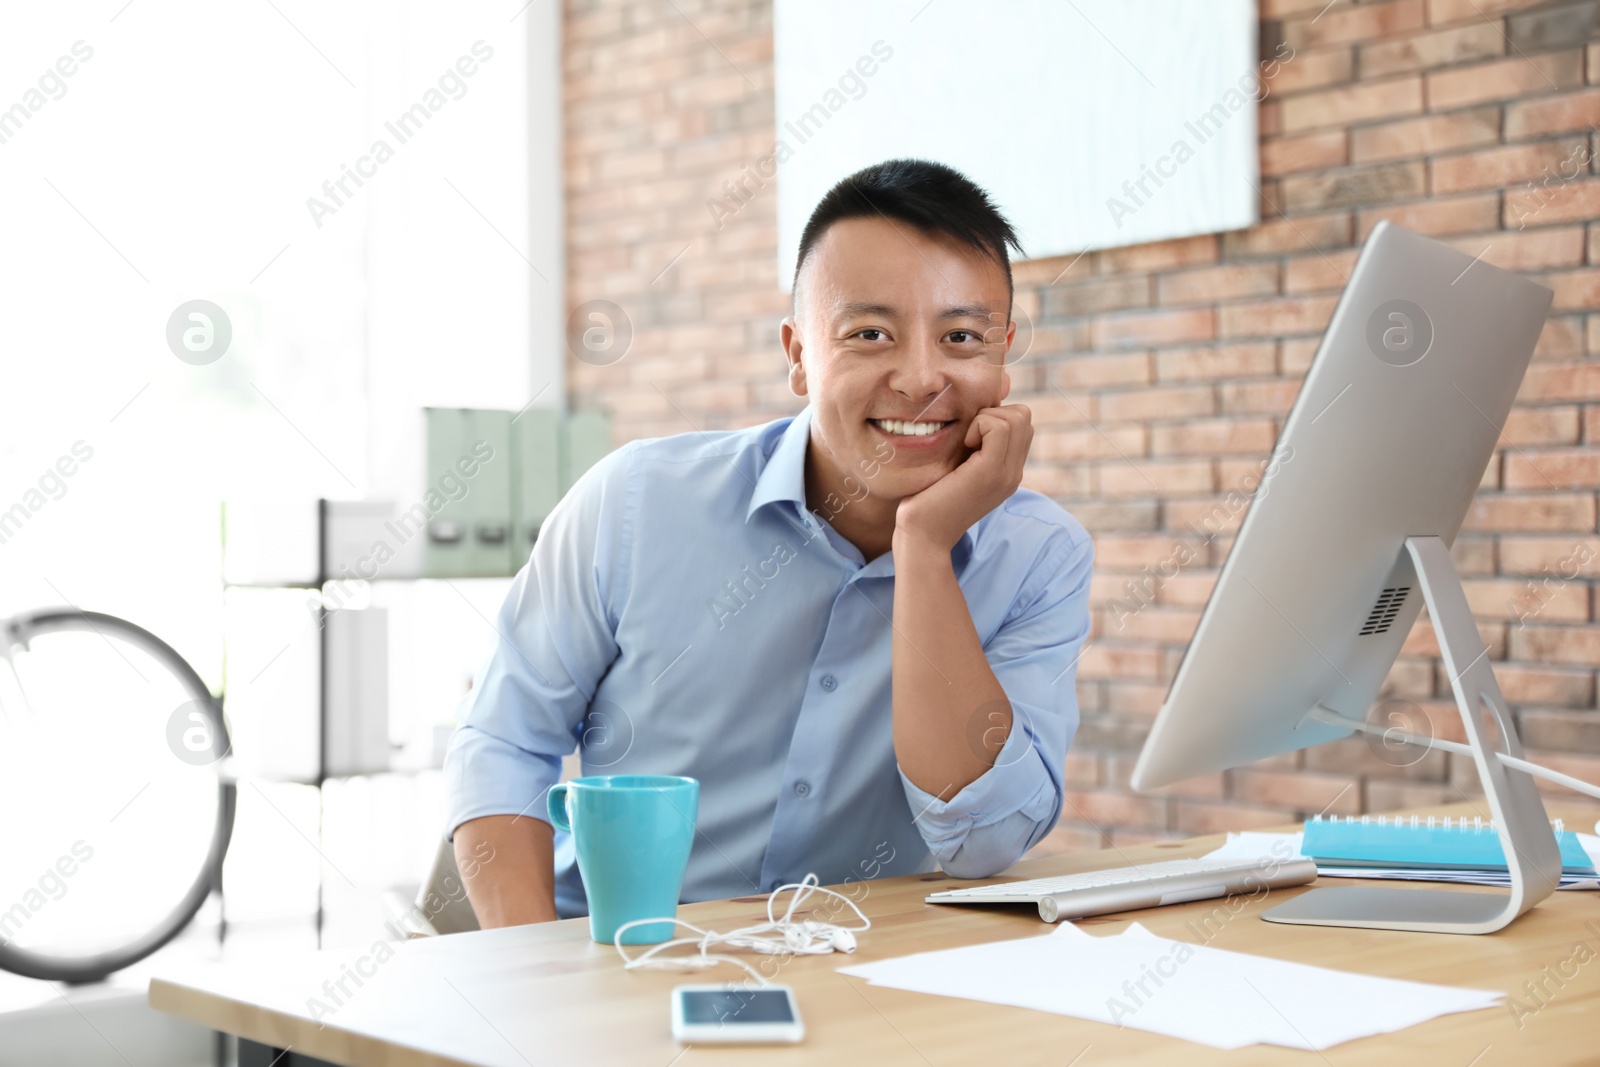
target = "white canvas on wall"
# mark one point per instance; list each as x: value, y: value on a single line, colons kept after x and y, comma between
x: 1093, y: 123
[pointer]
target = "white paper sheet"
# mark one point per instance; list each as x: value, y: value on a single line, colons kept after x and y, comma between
x: 1206, y: 995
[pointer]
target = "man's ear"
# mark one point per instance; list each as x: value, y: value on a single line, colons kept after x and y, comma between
x: 789, y: 337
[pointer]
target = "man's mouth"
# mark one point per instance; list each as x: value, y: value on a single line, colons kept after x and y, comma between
x: 906, y: 428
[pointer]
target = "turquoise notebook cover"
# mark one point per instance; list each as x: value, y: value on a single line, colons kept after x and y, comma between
x: 1446, y: 845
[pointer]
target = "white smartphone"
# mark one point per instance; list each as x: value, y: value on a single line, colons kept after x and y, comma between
x: 735, y: 1014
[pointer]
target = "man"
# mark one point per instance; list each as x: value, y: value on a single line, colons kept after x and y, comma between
x: 851, y: 626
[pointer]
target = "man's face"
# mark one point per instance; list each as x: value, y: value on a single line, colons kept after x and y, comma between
x: 899, y: 338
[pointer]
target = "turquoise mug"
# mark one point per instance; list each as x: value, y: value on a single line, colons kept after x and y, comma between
x: 632, y: 834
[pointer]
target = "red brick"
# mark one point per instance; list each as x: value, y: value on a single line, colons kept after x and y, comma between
x: 1098, y: 294
x: 1561, y: 381
x: 1356, y: 103
x: 1300, y: 791
x: 1495, y: 167
x: 1153, y: 328
x: 1504, y: 79
x: 1056, y: 270
x: 1553, y: 199
x: 1354, y: 185
x: 1391, y: 796
x: 1068, y: 840
x: 1207, y: 285
x: 1319, y: 273
x: 1424, y: 642
x: 1312, y: 69
x: 1271, y: 318
x: 1295, y: 354
x: 1187, y: 589
x: 1552, y: 469
x: 1212, y: 362
x: 1062, y: 409
x: 1541, y: 426
x: 1099, y: 516
x: 1537, y: 249
x: 1099, y: 809
x: 1133, y: 552
x: 1560, y: 730
x: 1209, y: 516
x: 1426, y: 135
x: 1273, y: 397
x: 1437, y: 217
x: 1160, y: 255
x: 1200, y: 817
x: 1442, y: 11
x: 1161, y: 402
x: 1576, y: 290
x: 1153, y: 477
x: 1058, y: 482
x: 1103, y: 659
x: 1582, y: 767
x: 1562, y: 686
x: 1560, y: 340
x: 1278, y: 8
x: 1300, y: 234
x: 1576, y: 555
x: 1211, y: 437
x: 1311, y: 151
x: 1510, y: 599
x: 1067, y: 446
x: 1437, y: 49
x: 1096, y: 369
x: 1359, y: 23
x: 1510, y: 512
x: 1571, y: 645
x: 1553, y: 114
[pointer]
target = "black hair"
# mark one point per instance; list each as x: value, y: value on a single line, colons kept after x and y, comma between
x: 930, y: 196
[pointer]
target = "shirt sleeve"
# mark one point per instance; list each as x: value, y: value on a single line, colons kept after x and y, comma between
x: 554, y: 639
x: 1008, y: 809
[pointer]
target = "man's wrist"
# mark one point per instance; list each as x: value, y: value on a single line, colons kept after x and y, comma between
x: 913, y: 550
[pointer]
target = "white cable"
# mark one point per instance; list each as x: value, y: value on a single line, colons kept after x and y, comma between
x: 1329, y: 717
x: 811, y: 937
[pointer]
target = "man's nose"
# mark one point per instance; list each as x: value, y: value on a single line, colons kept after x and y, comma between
x: 920, y: 372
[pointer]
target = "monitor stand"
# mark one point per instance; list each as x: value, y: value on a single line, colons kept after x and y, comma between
x: 1514, y: 803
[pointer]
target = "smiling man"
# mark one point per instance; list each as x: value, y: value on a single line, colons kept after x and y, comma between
x: 851, y: 626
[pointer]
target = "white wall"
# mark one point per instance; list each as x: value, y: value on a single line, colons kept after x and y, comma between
x: 1050, y: 106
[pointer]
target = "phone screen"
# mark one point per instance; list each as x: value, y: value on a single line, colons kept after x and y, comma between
x: 736, y: 1006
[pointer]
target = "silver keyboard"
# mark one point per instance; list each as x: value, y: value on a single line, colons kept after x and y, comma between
x: 1148, y: 885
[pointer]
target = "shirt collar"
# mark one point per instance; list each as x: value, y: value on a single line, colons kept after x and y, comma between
x: 784, y: 479
x: 784, y: 476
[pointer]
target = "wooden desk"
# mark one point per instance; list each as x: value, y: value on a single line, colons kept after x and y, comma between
x: 547, y: 994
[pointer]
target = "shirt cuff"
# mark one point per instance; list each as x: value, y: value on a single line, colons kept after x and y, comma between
x: 486, y: 776
x: 1016, y: 783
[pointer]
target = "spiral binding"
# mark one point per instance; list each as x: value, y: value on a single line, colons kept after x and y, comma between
x: 1430, y: 822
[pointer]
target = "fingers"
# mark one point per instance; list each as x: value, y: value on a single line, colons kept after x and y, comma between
x: 1013, y: 424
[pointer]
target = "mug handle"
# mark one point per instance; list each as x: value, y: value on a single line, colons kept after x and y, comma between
x: 556, y: 804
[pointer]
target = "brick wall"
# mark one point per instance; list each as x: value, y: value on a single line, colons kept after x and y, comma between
x: 1159, y: 375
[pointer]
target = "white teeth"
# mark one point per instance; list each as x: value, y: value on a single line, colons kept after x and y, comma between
x: 909, y: 429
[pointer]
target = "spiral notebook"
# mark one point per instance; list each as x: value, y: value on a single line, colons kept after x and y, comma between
x: 1425, y: 843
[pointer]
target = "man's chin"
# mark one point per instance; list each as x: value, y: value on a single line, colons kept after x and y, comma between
x: 910, y: 483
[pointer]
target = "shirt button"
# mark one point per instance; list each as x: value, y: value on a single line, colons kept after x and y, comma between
x: 829, y: 682
x: 802, y: 789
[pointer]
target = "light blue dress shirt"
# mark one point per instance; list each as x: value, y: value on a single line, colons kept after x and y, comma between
x: 684, y: 613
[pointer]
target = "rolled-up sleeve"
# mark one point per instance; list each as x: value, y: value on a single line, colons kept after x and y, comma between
x: 1005, y: 811
x: 554, y: 639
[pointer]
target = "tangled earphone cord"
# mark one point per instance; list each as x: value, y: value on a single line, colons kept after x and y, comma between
x: 810, y: 937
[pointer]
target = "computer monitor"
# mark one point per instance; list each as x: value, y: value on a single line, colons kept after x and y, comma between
x: 1347, y: 535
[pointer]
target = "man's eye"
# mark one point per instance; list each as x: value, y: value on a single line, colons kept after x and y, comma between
x: 870, y: 334
x: 962, y: 337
